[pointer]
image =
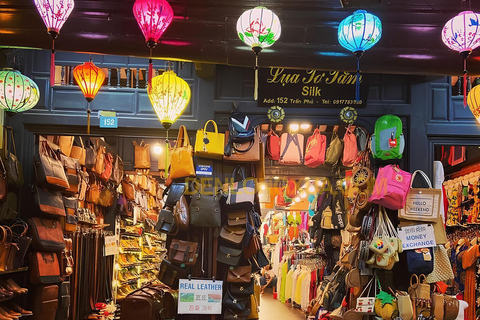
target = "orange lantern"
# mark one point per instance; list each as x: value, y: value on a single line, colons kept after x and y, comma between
x: 90, y: 79
x: 473, y: 100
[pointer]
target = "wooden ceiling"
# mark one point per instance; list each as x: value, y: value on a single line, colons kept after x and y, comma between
x: 204, y: 31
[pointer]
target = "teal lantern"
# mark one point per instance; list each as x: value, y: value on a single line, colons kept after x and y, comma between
x: 17, y: 92
x: 357, y: 33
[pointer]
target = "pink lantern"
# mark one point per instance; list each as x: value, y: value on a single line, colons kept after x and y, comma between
x: 54, y: 13
x: 462, y: 34
x: 153, y: 17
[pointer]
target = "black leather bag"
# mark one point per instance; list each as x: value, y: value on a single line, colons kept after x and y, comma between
x: 167, y: 222
x: 205, y: 208
x: 49, y: 202
x: 235, y: 303
x: 236, y: 315
x: 229, y: 256
x: 174, y: 193
x: 8, y: 211
x: 151, y: 302
x: 13, y: 167
x: 63, y: 301
x: 242, y: 289
x: 169, y: 274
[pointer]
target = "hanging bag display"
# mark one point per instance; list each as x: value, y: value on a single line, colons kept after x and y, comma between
x: 142, y: 155
x: 49, y: 202
x: 44, y: 268
x: 78, y: 150
x: 99, y: 166
x: 273, y: 146
x: 350, y: 148
x: 47, y: 234
x: 205, y: 208
x: 13, y: 167
x: 49, y: 168
x: 291, y: 149
x: 391, y: 187
x: 65, y: 143
x: 181, y: 157
x: 316, y: 148
x: 334, y: 150
x: 209, y: 144
x: 422, y: 204
x: 242, y: 192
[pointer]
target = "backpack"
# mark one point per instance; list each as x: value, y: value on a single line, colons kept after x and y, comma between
x: 334, y: 150
x: 291, y: 189
x: 362, y: 138
x: 240, y: 130
x: 387, y: 142
x: 350, y: 148
x: 316, y: 147
x: 291, y: 148
x: 273, y: 146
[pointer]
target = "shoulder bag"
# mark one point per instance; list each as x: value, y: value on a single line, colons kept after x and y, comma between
x: 315, y: 151
x: 71, y: 218
x: 13, y: 167
x: 243, y: 150
x: 118, y: 170
x: 350, y: 148
x: 169, y: 274
x: 235, y: 303
x: 231, y: 314
x: 108, y: 167
x: 334, y: 150
x: 167, y: 222
x: 47, y: 234
x: 229, y: 256
x: 181, y: 158
x: 65, y: 143
x: 233, y: 234
x: 49, y: 202
x: 205, y: 207
x: 94, y: 189
x: 237, y: 218
x: 107, y: 196
x: 90, y: 154
x: 99, y: 166
x: 49, y: 168
x: 209, y: 144
x: 240, y: 274
x: 242, y: 192
x: 243, y: 289
x: 182, y: 212
x: 273, y: 146
x: 183, y: 252
x: 78, y: 151
x: 72, y: 168
x: 23, y: 242
x: 142, y: 155
x: 8, y: 210
x: 128, y: 189
x: 44, y: 268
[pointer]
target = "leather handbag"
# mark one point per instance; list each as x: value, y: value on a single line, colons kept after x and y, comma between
x: 47, y: 234
x: 49, y: 202
x: 90, y: 154
x: 7, y: 249
x: 99, y: 166
x: 237, y: 218
x: 230, y: 314
x: 247, y: 151
x: 209, y: 144
x: 240, y: 274
x: 49, y: 168
x: 107, y: 196
x: 71, y: 218
x: 183, y: 252
x: 355, y: 279
x: 65, y: 143
x: 205, y: 208
x: 169, y: 274
x: 142, y: 155
x: 151, y: 302
x: 20, y: 229
x: 78, y: 151
x: 118, y: 170
x: 174, y: 192
x: 242, y: 192
x: 72, y: 168
x: 235, y: 303
x: 45, y: 302
x: 63, y: 301
x: 108, y: 167
x: 15, y: 179
x: 437, y: 306
x: 450, y: 307
x: 167, y: 222
x: 128, y: 189
x: 233, y: 234
x: 94, y: 189
x: 182, y: 212
x: 181, y: 157
x: 3, y: 180
x: 229, y: 256
x: 334, y: 150
x: 44, y: 268
x: 242, y: 289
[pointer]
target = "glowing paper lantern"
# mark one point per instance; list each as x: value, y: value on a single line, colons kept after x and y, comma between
x: 18, y: 93
x: 357, y: 33
x: 258, y: 28
x: 169, y: 95
x: 153, y: 17
x: 473, y: 100
x: 462, y: 34
x: 89, y: 78
x: 54, y: 13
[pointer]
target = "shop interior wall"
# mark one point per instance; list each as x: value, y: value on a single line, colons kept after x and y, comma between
x: 430, y: 114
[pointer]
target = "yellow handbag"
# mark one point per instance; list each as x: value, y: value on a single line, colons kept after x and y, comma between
x: 209, y: 144
x: 181, y: 158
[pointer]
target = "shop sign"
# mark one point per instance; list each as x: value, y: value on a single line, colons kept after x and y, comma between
x: 108, y: 119
x: 200, y: 296
x: 417, y: 236
x: 310, y: 88
x: 111, y: 247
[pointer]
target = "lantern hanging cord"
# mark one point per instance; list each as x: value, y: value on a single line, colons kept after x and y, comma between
x: 52, y: 64
x: 88, y: 118
x: 150, y: 68
x: 357, y: 80
x: 255, y: 93
x: 167, y: 156
x: 465, y: 82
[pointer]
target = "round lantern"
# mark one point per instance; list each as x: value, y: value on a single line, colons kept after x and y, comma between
x: 54, y: 13
x: 462, y: 34
x: 153, y: 18
x: 169, y: 95
x: 259, y: 28
x: 18, y: 93
x: 89, y: 78
x: 473, y: 100
x: 357, y: 33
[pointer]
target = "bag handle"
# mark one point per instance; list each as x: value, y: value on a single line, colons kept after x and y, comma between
x: 182, y: 138
x: 239, y: 170
x: 420, y: 278
x: 424, y: 175
x: 13, y: 140
x: 414, y: 276
x: 214, y: 126
x: 21, y: 224
x: 368, y: 286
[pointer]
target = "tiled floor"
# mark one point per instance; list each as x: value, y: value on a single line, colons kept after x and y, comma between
x: 271, y: 309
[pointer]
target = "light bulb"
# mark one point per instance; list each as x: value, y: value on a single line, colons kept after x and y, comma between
x: 157, y: 149
x: 294, y: 127
x: 276, y: 178
x: 307, y: 178
x: 263, y: 186
x: 311, y: 189
x: 305, y: 126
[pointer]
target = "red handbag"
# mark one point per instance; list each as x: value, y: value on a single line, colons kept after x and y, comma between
x: 273, y: 146
x: 315, y: 152
x: 108, y: 167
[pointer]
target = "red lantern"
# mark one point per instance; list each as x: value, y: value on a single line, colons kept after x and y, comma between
x: 90, y: 79
x: 153, y: 17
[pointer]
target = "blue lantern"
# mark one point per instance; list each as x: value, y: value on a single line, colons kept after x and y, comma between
x: 357, y: 33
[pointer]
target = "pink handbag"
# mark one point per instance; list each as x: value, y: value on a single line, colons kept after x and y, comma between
x: 350, y: 150
x: 391, y: 187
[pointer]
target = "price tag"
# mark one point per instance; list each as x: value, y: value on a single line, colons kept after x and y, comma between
x: 111, y: 247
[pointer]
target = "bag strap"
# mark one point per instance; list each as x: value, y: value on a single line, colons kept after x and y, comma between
x: 182, y: 138
x: 13, y: 141
x: 239, y: 170
x: 297, y: 143
x: 420, y: 278
x: 423, y: 174
x: 368, y: 286
x: 214, y: 126
x: 414, y: 276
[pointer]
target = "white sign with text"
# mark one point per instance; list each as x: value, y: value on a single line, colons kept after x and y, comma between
x: 417, y: 236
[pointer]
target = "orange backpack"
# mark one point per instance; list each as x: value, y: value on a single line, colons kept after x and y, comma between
x: 315, y: 152
x: 350, y: 148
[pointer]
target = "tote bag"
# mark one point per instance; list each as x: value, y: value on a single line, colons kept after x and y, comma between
x: 209, y: 144
x: 181, y: 159
x: 142, y: 155
x: 316, y: 147
x: 350, y: 148
x: 391, y: 187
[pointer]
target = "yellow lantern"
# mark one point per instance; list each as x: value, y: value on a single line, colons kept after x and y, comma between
x: 473, y: 101
x: 169, y: 95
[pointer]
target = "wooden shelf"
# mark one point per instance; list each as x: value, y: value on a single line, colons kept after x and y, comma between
x: 15, y: 270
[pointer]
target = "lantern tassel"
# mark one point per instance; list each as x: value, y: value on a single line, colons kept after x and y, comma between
x: 88, y: 118
x: 357, y: 81
x: 464, y: 82
x: 52, y: 65
x: 255, y: 92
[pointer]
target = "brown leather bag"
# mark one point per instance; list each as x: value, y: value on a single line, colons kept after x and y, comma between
x: 237, y: 218
x: 94, y: 189
x: 240, y: 274
x: 99, y: 166
x: 245, y: 152
x: 182, y: 212
x: 183, y: 252
x: 142, y: 155
x: 49, y: 202
x: 45, y: 302
x: 44, y: 268
x: 233, y: 234
x: 65, y: 143
x: 108, y: 167
x: 253, y: 246
x: 107, y: 197
x: 47, y: 234
x: 451, y: 307
x: 78, y: 152
x: 128, y: 189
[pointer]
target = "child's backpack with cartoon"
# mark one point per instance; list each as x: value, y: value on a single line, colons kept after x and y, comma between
x: 387, y: 142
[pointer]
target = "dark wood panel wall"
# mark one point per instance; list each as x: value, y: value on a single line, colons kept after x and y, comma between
x: 430, y: 114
